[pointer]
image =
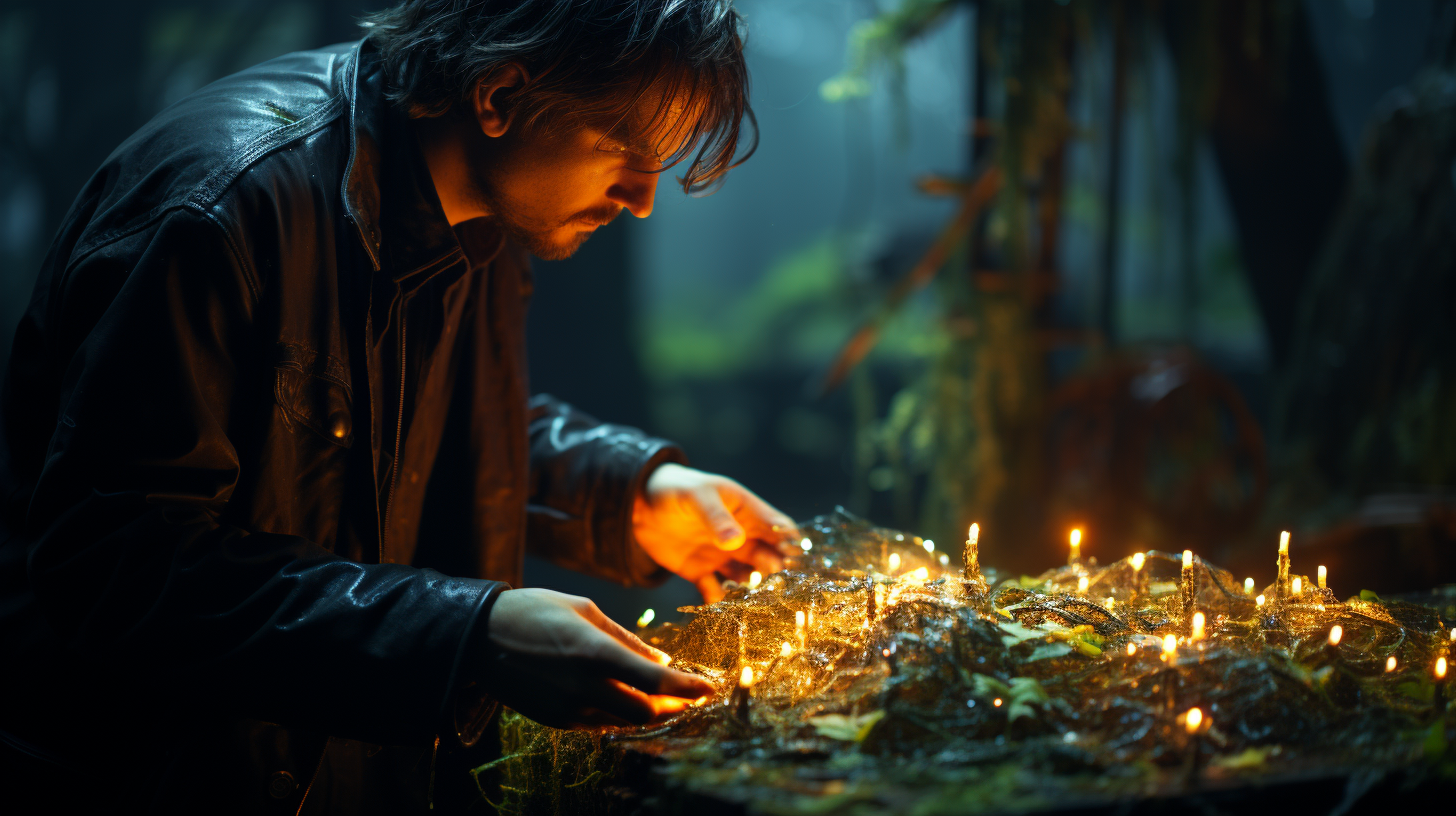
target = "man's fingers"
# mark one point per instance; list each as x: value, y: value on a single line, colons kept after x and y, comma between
x: 711, y: 590
x: 771, y: 523
x: 649, y: 676
x: 727, y: 532
x: 620, y: 633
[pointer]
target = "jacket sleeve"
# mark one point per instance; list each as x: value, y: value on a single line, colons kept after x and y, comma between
x: 131, y: 560
x: 584, y: 477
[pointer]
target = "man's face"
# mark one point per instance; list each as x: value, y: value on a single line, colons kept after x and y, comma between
x: 551, y: 188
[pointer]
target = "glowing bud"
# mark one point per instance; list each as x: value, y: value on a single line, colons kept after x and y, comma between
x: 1390, y: 663
x: 646, y: 617
x: 973, y: 535
x: 1198, y: 623
x: 1321, y: 575
x: 1259, y: 601
x: 1076, y: 540
x: 1441, y: 668
x: 928, y: 545
x: 1137, y: 561
x: 754, y: 579
x: 1248, y: 586
x: 894, y: 561
x: 1193, y: 719
x: 1336, y: 632
x: 745, y: 678
x: 1284, y: 543
x: 1187, y: 559
x: 1082, y: 584
x: 1297, y: 585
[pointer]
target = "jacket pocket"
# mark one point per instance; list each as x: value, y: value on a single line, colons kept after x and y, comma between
x: 313, y: 392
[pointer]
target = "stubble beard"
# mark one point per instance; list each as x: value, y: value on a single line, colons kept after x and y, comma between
x: 533, y: 237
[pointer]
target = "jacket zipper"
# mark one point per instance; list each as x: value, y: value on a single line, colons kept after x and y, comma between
x: 398, y: 427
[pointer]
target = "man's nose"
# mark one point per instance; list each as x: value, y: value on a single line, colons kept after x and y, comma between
x: 636, y: 192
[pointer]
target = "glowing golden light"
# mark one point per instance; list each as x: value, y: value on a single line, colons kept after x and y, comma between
x: 1248, y: 586
x: 745, y: 678
x: 1259, y: 601
x: 1076, y: 540
x: 1441, y: 668
x: 1297, y: 586
x: 754, y: 579
x: 1198, y: 623
x: 1137, y: 561
x: 1284, y: 543
x: 973, y: 535
x: 1336, y: 632
x: 646, y: 617
x: 996, y: 702
x: 1193, y: 719
x: 1082, y: 584
x: 786, y: 649
x: 1321, y: 575
x: 918, y: 575
x: 1390, y: 663
x: 1170, y: 645
x: 1110, y: 602
x: 1187, y: 559
x: 1131, y: 649
x: 928, y: 545
x: 806, y: 545
x: 1453, y: 633
x: 894, y: 561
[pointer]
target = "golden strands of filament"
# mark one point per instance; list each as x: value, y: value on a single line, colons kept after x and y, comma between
x: 1198, y: 623
x: 1321, y: 576
x: 1193, y: 720
x: 785, y: 649
x: 745, y: 677
x: 1390, y: 663
x: 1336, y: 632
x: 1441, y: 668
x: 1248, y: 586
x: 894, y: 561
x: 1297, y: 585
x: 1082, y: 584
x: 1137, y: 561
x: 754, y: 579
x: 1259, y: 601
x: 646, y: 617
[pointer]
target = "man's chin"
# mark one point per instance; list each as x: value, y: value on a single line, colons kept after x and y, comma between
x: 551, y: 247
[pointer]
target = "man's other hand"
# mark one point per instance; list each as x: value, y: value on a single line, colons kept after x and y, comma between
x: 701, y: 526
x: 563, y: 663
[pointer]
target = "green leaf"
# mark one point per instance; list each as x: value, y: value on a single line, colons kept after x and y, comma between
x: 846, y: 727
x: 1249, y: 759
x: 1368, y: 595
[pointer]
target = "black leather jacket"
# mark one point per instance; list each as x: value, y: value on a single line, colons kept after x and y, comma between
x: 254, y: 345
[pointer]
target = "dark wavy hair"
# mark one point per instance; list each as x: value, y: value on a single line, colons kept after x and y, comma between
x: 588, y: 61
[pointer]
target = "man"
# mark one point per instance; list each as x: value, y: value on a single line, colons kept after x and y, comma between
x: 267, y: 459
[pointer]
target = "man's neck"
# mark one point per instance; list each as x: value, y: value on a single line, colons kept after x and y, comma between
x: 446, y: 144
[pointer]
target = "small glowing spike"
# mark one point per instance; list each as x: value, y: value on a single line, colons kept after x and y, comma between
x: 1193, y: 719
x: 1131, y: 649
x: 1284, y: 543
x: 754, y: 579
x: 1187, y: 559
x: 646, y: 617
x: 1322, y: 575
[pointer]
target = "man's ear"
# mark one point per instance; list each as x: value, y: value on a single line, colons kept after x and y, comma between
x: 494, y: 97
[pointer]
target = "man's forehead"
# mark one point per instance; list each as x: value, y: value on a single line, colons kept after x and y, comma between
x: 662, y: 119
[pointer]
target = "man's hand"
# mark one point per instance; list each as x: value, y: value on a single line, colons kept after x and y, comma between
x: 699, y: 525
x: 564, y: 664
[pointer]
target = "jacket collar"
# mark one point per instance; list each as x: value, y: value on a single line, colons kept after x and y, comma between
x: 388, y: 193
